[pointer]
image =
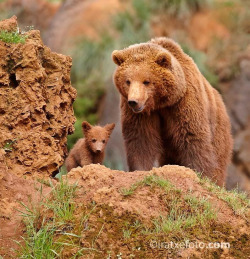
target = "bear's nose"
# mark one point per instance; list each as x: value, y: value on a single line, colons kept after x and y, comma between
x: 132, y: 103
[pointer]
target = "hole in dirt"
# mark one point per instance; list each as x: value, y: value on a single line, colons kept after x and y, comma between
x: 47, y: 141
x: 13, y: 81
x: 63, y: 105
x: 56, y: 136
x: 2, y: 111
x: 49, y: 115
x: 10, y: 127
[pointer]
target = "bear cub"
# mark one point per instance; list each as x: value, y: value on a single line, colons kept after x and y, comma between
x: 89, y: 150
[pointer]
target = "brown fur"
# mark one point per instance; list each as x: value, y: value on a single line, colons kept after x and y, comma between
x: 170, y: 113
x: 89, y: 150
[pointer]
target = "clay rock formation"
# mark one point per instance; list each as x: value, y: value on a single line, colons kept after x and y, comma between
x: 9, y: 24
x: 36, y: 98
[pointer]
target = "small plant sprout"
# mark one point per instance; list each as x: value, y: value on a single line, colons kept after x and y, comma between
x: 12, y: 37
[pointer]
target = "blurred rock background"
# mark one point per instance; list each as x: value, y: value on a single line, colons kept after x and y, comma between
x: 216, y: 33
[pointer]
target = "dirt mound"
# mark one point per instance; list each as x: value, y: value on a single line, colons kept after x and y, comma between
x: 14, y: 191
x: 125, y: 212
x: 104, y: 186
x: 115, y: 214
x: 36, y: 111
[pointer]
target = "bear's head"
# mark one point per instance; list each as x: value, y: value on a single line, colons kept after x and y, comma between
x: 96, y: 137
x: 148, y: 77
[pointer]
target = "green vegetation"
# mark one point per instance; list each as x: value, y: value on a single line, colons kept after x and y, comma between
x: 9, y: 145
x: 133, y: 26
x: 45, y: 237
x: 194, y: 212
x: 151, y: 180
x: 180, y: 8
x: 62, y: 204
x: 183, y: 212
x: 238, y: 201
x: 234, y: 15
x: 55, y: 227
x: 126, y: 233
x: 12, y: 37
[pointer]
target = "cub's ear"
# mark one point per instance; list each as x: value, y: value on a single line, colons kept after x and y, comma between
x: 86, y: 126
x: 117, y: 57
x: 110, y: 127
x: 163, y: 60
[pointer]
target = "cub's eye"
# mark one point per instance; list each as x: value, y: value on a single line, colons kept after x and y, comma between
x: 103, y: 141
x: 127, y: 82
x: 93, y: 140
x: 146, y: 82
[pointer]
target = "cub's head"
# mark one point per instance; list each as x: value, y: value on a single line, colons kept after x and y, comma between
x: 148, y: 77
x: 97, y: 137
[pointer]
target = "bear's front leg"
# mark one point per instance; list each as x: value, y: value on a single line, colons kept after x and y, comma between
x: 85, y: 160
x: 139, y: 157
x: 70, y: 163
x: 143, y: 143
x: 199, y: 156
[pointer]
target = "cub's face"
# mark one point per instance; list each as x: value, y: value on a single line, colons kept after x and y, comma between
x: 97, y: 137
x: 145, y: 77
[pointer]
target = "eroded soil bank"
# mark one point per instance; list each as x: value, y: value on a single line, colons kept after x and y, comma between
x: 36, y: 100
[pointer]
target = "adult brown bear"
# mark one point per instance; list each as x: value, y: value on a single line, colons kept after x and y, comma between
x: 170, y: 113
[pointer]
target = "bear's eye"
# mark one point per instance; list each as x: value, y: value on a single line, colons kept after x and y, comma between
x: 146, y: 82
x: 93, y: 140
x: 103, y: 141
x: 127, y: 82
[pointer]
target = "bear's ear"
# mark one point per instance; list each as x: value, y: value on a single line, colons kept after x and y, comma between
x: 164, y: 60
x: 117, y: 57
x: 110, y: 127
x: 86, y: 126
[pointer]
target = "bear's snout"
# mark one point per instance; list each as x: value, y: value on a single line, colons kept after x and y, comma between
x: 99, y: 147
x: 135, y: 106
x: 137, y: 96
x: 132, y: 103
